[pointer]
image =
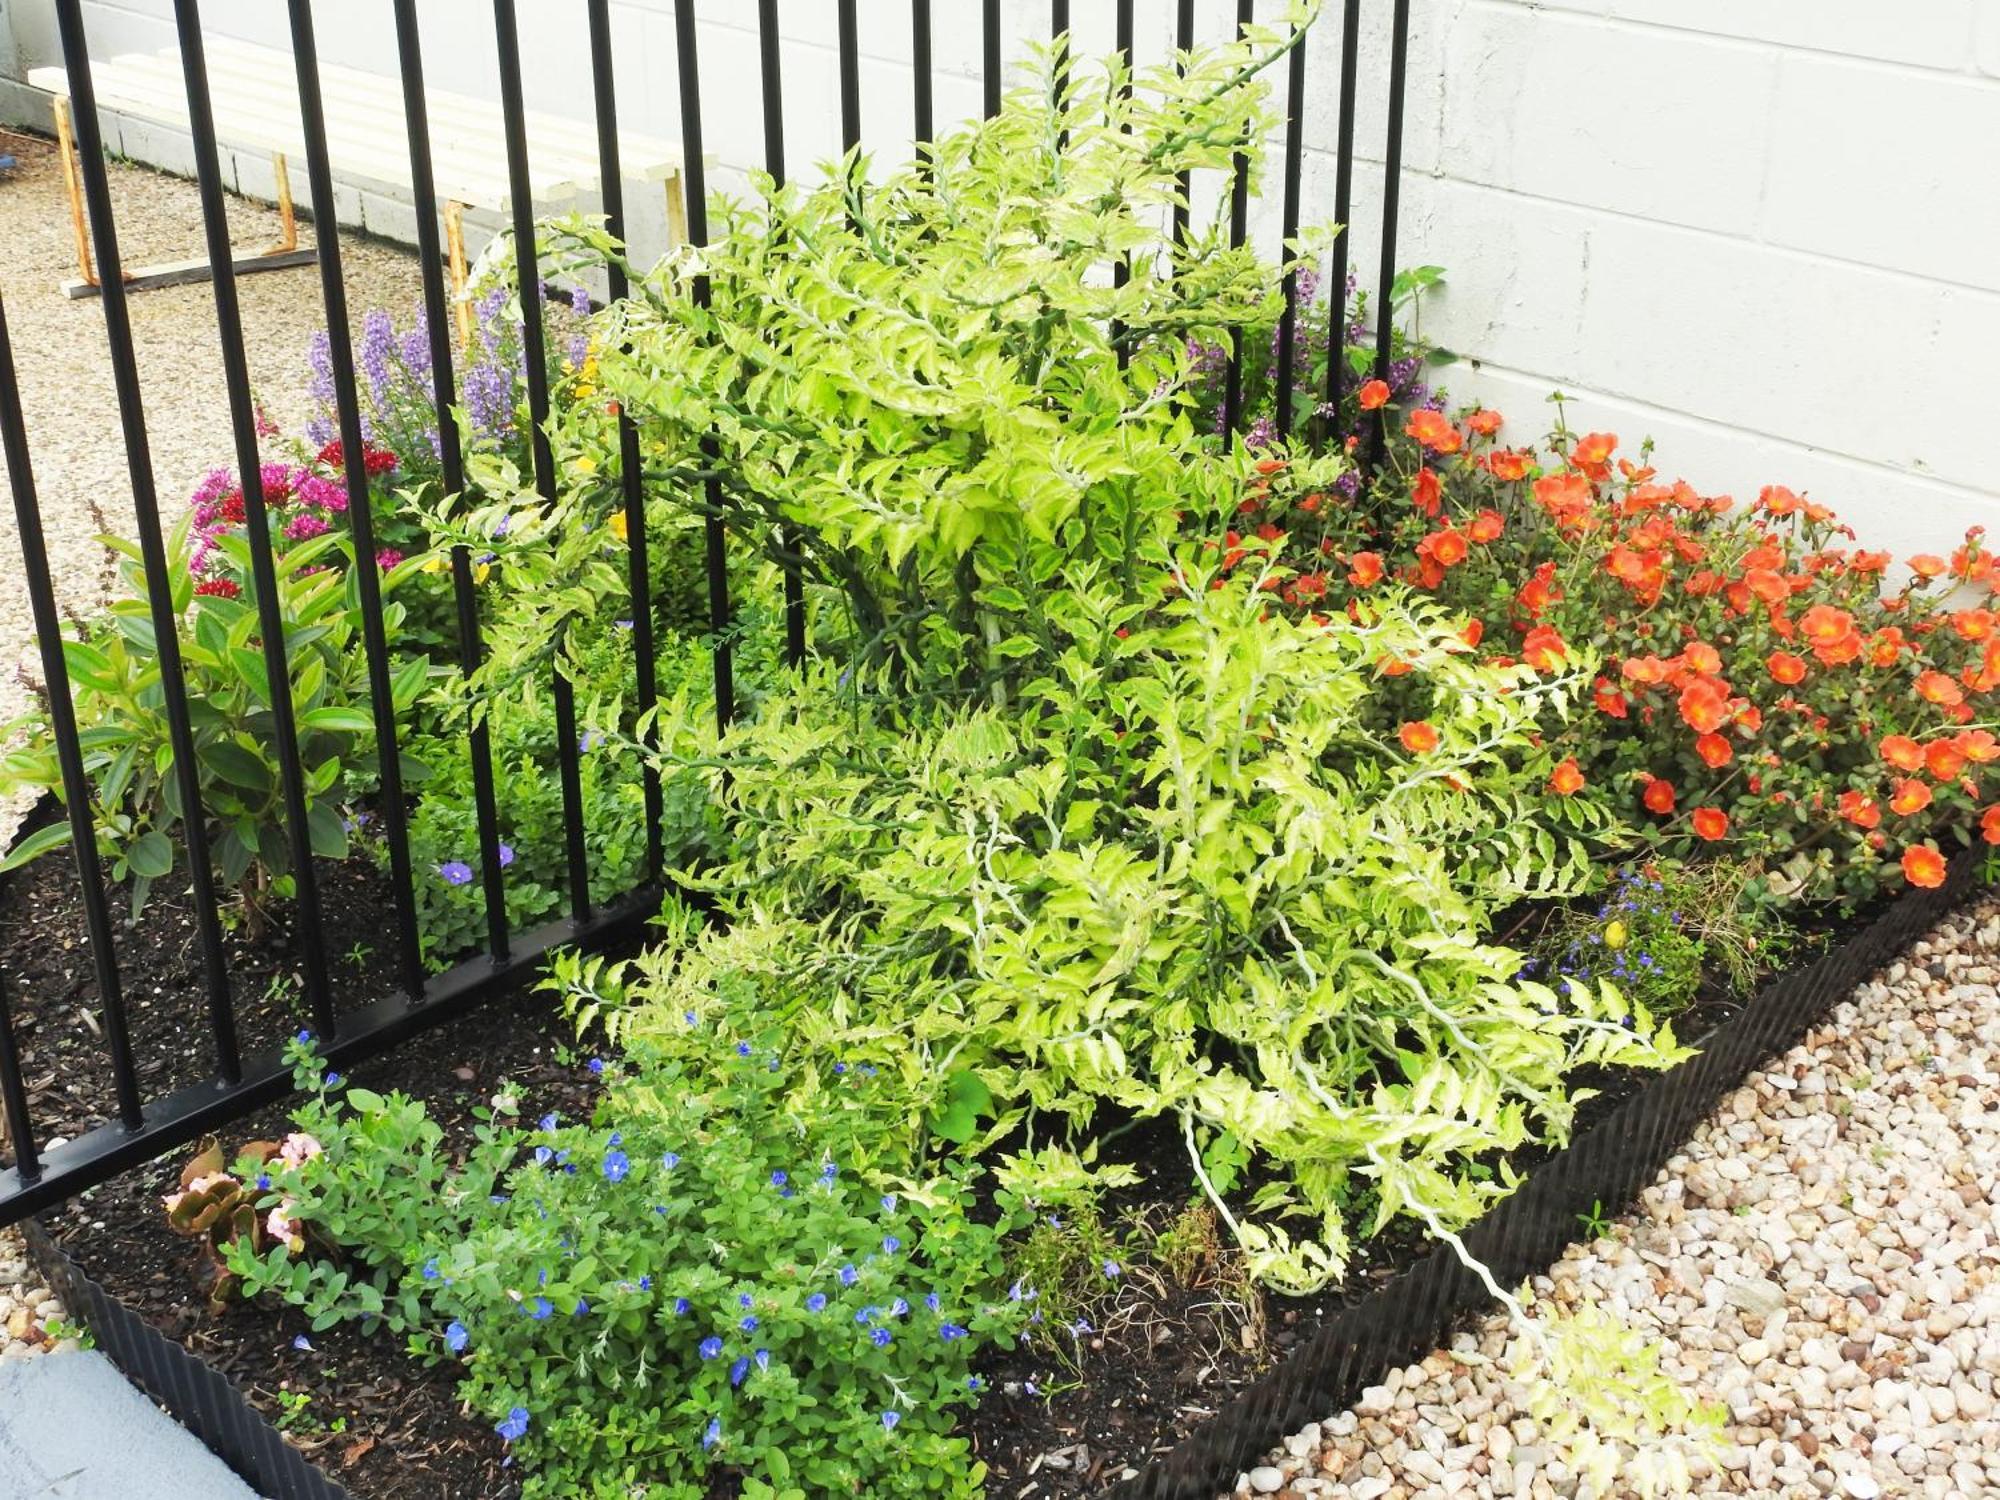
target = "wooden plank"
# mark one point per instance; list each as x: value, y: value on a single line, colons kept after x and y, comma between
x: 181, y: 272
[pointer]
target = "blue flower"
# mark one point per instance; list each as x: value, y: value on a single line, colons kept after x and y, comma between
x: 335, y: 1080
x: 881, y: 1338
x: 645, y: 1283
x: 506, y: 855
x: 950, y: 1332
x: 839, y: 1067
x: 543, y: 1156
x: 748, y: 1323
x: 816, y: 1302
x: 688, y: 1016
x: 744, y: 1300
x: 547, y: 1121
x: 763, y: 1359
x: 890, y: 1244
x: 779, y: 1179
x: 597, y: 1066
x: 302, y: 1343
x: 616, y: 1165
x: 538, y: 1308
x: 670, y: 1160
x: 680, y: 1307
x: 933, y: 1302
x: 710, y: 1347
x: 742, y: 1049
x: 581, y: 1308
x: 890, y: 1419
x: 973, y: 1383
x: 455, y: 1337
x: 714, y: 1434
x: 431, y: 1269
x: 899, y: 1308
x: 456, y: 872
x: 848, y: 1276
x: 516, y: 1425
x: 889, y: 1203
x: 264, y: 1183
x: 587, y: 739
x: 1111, y: 1270
x: 304, y: 1038
x: 738, y: 1370
x: 866, y: 1315
x: 828, y: 1172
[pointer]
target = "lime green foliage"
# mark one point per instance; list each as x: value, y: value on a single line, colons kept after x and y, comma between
x: 689, y: 1287
x: 115, y: 671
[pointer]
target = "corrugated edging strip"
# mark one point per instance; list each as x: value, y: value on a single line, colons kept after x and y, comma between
x: 1409, y: 1317
x: 203, y: 1400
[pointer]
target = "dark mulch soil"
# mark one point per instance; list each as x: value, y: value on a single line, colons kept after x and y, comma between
x: 405, y: 1436
x: 1161, y: 1358
x: 51, y: 984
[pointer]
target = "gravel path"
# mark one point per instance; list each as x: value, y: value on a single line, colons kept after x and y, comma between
x: 1823, y: 1258
x: 63, y: 366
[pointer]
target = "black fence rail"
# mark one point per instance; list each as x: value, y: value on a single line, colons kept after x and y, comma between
x: 140, y: 1126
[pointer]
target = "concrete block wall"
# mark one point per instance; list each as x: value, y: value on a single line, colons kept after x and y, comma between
x: 1766, y: 234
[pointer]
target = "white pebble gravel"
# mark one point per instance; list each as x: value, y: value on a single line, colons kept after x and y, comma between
x: 27, y: 1306
x: 1822, y: 1259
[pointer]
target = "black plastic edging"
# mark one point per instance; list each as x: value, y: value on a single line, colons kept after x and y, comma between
x: 1611, y: 1163
x: 202, y: 1399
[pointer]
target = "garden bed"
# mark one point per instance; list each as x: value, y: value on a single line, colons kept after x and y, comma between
x: 1184, y: 1382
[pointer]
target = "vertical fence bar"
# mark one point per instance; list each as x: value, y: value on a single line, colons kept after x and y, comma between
x: 1392, y: 192
x: 1343, y: 210
x: 1183, y: 44
x: 989, y: 38
x: 570, y: 769
x: 1239, y: 215
x: 451, y: 460
x: 521, y: 196
x: 850, y: 77
x: 770, y: 46
x: 62, y: 712
x: 1059, y: 29
x: 920, y: 69
x: 153, y: 553
x: 367, y: 574
x: 14, y: 1100
x: 1121, y: 273
x: 697, y: 189
x: 630, y: 475
x: 1295, y: 141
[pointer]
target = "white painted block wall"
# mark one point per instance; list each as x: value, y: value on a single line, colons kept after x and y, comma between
x: 1764, y: 232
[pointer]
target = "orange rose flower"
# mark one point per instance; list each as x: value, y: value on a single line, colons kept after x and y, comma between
x: 1710, y: 823
x: 1785, y: 667
x: 1365, y: 570
x: 1943, y: 759
x: 1507, y: 466
x: 1566, y: 780
x: 1831, y: 634
x: 1978, y: 746
x: 1374, y: 395
x: 1594, y: 451
x: 1487, y: 526
x: 1418, y: 737
x: 1659, y: 795
x: 1544, y: 648
x: 1923, y: 866
x: 1566, y: 497
x: 1861, y: 811
x: 1927, y: 566
x: 1434, y: 431
x: 1714, y: 751
x: 1704, y: 706
x: 1902, y: 752
x: 1609, y: 700
x: 1935, y: 687
x: 1911, y: 796
x: 1701, y: 657
x: 1485, y: 422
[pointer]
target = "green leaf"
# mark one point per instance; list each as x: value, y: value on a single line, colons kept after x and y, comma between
x: 237, y: 765
x: 150, y: 855
x: 966, y: 1099
x: 35, y: 845
x: 336, y: 720
x: 329, y: 837
x: 250, y: 668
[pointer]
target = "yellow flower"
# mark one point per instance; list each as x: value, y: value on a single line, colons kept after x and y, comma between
x: 618, y: 524
x: 584, y: 464
x: 435, y: 563
x: 480, y: 572
x: 1615, y: 935
x: 585, y: 390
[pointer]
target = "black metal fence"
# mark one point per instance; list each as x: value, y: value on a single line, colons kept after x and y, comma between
x: 141, y: 1127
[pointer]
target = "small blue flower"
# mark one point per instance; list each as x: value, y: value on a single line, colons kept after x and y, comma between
x: 597, y: 1066
x: 973, y: 1383
x: 763, y: 1359
x: 645, y: 1283
x: 688, y: 1016
x: 431, y: 1272
x: 951, y: 1332
x: 714, y: 1434
x: 866, y: 1315
x: 543, y: 1156
x: 335, y: 1080
x: 779, y: 1179
x: 816, y: 1302
x: 263, y: 1182
x: 581, y: 1308
x: 506, y: 855
x: 890, y: 1419
x: 839, y: 1067
x: 680, y: 1307
x: 548, y: 1121
x: 933, y: 1302
x: 889, y: 1203
x: 890, y: 1244
x: 748, y: 1323
x: 456, y: 872
x: 587, y: 739
x: 828, y: 1172
x: 881, y: 1338
x: 670, y: 1160
x: 303, y: 1343
x: 455, y: 1337
x: 848, y: 1276
x: 616, y: 1165
x: 738, y: 1370
x: 745, y: 1300
x: 538, y: 1308
x: 742, y: 1049
x: 1111, y: 1270
x: 304, y: 1038
x: 516, y: 1425
x: 899, y: 1308
x: 710, y: 1347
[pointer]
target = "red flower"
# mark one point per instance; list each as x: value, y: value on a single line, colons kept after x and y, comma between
x: 1704, y: 706
x: 1923, y: 866
x: 1785, y: 667
x: 1862, y: 811
x: 1710, y: 823
x: 1935, y: 687
x: 1911, y: 796
x: 1539, y: 592
x: 1902, y: 752
x: 1366, y: 569
x: 1446, y: 548
x: 1434, y: 431
x: 1659, y: 795
x: 1989, y: 824
x: 1544, y: 648
x: 1943, y: 759
x: 1374, y: 395
x: 1418, y: 737
x: 1485, y: 422
x: 219, y: 588
x: 1609, y: 700
x: 1566, y: 780
x: 1487, y: 526
x: 1426, y: 494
